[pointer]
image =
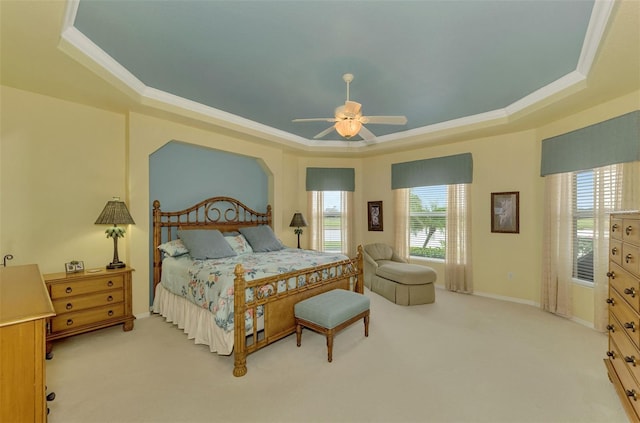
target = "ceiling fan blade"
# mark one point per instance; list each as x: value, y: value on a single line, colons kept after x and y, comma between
x: 352, y: 108
x: 387, y: 120
x: 315, y: 120
x: 325, y: 132
x: 366, y: 135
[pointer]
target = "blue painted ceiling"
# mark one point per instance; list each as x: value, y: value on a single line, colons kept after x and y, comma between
x: 273, y: 61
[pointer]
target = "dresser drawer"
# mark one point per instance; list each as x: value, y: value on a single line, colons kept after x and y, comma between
x: 631, y: 231
x: 615, y: 228
x: 87, y: 317
x: 79, y: 287
x: 615, y: 251
x: 631, y: 258
x: 81, y: 302
x: 628, y: 318
x: 629, y: 384
x: 628, y: 352
x: 625, y: 285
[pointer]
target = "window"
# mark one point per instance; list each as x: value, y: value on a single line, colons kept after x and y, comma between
x: 332, y: 221
x: 329, y: 211
x: 428, y: 221
x: 583, y: 225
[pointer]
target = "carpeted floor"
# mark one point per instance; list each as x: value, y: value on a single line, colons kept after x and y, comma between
x: 462, y: 359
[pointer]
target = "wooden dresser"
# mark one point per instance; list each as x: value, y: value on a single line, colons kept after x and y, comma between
x: 24, y: 308
x: 87, y: 301
x: 623, y: 356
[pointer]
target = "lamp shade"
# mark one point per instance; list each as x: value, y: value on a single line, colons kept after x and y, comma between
x: 348, y: 127
x: 114, y: 213
x: 298, y: 221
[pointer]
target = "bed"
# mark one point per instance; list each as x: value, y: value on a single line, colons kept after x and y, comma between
x: 198, y: 294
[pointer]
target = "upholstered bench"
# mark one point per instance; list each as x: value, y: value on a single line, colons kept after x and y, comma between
x: 329, y: 313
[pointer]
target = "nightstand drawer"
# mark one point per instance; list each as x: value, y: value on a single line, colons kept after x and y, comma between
x: 87, y: 317
x: 81, y: 302
x: 79, y: 287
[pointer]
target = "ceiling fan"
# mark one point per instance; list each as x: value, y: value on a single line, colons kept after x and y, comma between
x: 349, y: 120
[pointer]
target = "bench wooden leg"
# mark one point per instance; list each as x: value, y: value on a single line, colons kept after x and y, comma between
x: 298, y: 334
x: 366, y: 325
x: 330, y: 346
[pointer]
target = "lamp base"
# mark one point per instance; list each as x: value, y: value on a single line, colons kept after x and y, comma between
x: 118, y: 265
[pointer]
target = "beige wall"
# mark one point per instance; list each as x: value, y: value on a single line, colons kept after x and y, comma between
x: 60, y: 162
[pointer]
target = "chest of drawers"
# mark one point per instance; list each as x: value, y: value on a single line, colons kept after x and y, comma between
x: 623, y: 355
x: 88, y: 301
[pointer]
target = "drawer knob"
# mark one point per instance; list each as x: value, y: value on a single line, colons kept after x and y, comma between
x: 614, y: 251
x: 614, y: 227
x: 610, y: 328
x: 68, y: 290
x: 630, y: 325
x: 611, y: 355
x: 69, y: 322
x: 631, y: 360
x: 630, y: 291
x: 110, y: 283
x: 611, y: 301
x: 628, y: 258
x: 628, y: 230
x: 110, y: 298
x: 69, y: 306
x: 110, y: 313
x: 632, y: 393
x: 611, y: 275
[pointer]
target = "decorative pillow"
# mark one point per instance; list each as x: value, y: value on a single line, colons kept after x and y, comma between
x: 206, y: 244
x: 261, y: 238
x: 239, y: 244
x: 173, y: 248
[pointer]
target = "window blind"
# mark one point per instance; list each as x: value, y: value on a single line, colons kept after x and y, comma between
x: 448, y: 170
x: 613, y: 141
x: 330, y: 179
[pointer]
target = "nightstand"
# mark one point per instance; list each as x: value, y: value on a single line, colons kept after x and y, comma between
x: 88, y: 301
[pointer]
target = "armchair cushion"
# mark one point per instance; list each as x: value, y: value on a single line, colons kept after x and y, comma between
x: 379, y: 251
x: 407, y: 274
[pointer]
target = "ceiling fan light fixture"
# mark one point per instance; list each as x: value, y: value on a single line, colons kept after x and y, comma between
x: 347, y: 128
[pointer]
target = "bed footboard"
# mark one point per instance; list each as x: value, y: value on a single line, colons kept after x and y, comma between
x: 275, y: 297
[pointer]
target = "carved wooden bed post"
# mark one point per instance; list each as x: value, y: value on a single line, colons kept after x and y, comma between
x: 239, y: 347
x: 157, y: 259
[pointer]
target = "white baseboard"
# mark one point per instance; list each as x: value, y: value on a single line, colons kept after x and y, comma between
x: 142, y: 315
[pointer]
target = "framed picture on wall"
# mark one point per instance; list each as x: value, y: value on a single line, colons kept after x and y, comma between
x: 375, y: 215
x: 505, y: 212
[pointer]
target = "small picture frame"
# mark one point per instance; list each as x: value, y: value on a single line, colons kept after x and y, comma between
x: 74, y: 266
x: 505, y: 212
x: 375, y: 215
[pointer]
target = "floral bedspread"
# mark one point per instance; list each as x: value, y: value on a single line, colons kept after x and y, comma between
x: 209, y: 283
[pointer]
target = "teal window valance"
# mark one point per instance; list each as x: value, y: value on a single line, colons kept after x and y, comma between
x: 613, y: 141
x: 331, y: 179
x: 448, y: 170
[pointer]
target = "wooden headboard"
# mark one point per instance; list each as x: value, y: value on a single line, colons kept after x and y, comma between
x: 223, y: 213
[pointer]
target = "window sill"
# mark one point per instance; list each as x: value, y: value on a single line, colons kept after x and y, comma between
x: 425, y: 260
x: 580, y: 282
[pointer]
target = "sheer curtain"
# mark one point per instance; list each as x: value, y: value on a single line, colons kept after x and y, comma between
x: 316, y: 222
x: 615, y: 188
x: 348, y: 247
x: 557, y: 239
x: 457, y: 270
x: 401, y: 227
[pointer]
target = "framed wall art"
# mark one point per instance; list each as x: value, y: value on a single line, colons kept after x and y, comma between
x: 375, y: 215
x: 505, y: 212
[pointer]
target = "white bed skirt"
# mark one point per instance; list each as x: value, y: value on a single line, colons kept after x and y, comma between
x: 197, y: 323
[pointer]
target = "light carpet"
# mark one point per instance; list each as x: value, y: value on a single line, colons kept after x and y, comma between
x: 464, y: 358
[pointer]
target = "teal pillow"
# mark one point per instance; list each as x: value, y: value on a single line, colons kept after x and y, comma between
x: 206, y: 244
x: 261, y: 238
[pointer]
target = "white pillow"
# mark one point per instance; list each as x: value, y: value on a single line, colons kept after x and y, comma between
x: 239, y: 244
